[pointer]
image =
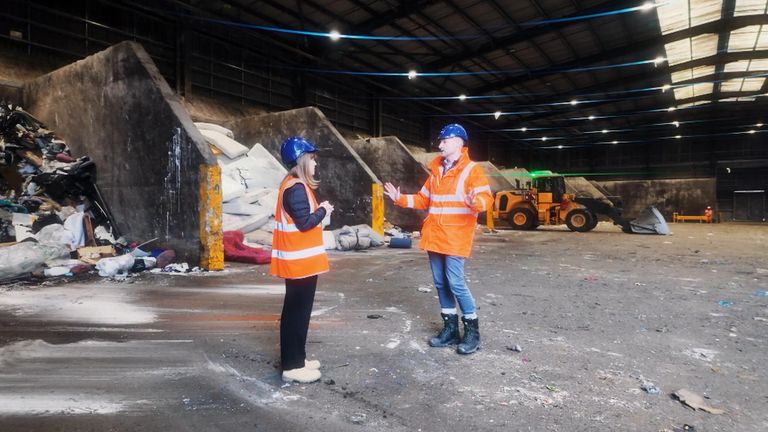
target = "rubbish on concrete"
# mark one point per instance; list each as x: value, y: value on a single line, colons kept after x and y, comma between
x: 761, y: 293
x: 164, y: 258
x: 110, y: 267
x: 650, y: 388
x: 57, y: 271
x: 515, y: 348
x: 553, y: 388
x: 695, y: 401
x: 92, y: 254
x: 236, y: 250
x: 357, y: 237
x: 725, y: 303
x: 400, y: 242
x: 650, y: 221
x: 358, y: 418
x: 424, y: 289
x: 214, y: 127
x: 374, y: 316
x: 25, y: 257
x: 231, y: 148
x: 760, y: 319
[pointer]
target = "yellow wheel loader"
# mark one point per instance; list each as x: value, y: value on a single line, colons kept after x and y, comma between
x: 546, y: 202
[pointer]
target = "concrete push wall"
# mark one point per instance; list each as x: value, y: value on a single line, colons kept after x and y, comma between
x: 690, y: 196
x: 391, y: 161
x: 346, y: 181
x: 115, y: 107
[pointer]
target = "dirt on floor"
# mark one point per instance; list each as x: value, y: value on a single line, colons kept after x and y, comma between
x: 597, y: 317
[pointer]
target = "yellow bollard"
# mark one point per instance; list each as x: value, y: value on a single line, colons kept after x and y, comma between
x: 211, y: 232
x: 377, y: 208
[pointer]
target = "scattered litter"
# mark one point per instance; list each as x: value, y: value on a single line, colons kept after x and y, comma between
x: 358, y: 418
x: 375, y: 316
x: 695, y: 401
x: 760, y: 319
x: 553, y: 388
x: 650, y: 388
x: 761, y: 293
x: 515, y: 348
x: 639, y: 284
x: 424, y: 289
x: 725, y: 303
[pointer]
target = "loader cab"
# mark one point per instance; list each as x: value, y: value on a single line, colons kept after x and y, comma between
x: 554, y: 185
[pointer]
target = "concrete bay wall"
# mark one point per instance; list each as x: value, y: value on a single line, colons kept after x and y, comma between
x: 391, y: 161
x: 115, y: 107
x: 346, y: 181
x: 690, y: 196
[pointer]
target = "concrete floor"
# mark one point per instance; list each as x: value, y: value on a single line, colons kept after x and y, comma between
x: 596, y: 314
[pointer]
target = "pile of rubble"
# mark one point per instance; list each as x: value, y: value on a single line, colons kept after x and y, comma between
x: 53, y: 219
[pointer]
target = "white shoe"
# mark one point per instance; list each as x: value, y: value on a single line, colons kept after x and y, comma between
x: 312, y: 364
x: 302, y: 375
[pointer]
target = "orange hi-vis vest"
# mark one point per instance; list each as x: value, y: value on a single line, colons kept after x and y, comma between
x: 450, y: 225
x: 296, y: 254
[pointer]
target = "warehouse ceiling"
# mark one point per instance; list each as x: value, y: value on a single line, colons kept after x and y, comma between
x: 537, y: 73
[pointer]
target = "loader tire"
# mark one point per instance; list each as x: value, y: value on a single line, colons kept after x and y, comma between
x: 522, y: 219
x: 579, y: 220
x: 593, y: 222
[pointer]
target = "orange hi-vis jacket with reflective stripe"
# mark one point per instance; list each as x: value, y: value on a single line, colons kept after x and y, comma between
x: 296, y: 254
x: 450, y: 225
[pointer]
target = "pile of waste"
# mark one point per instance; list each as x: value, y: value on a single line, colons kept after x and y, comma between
x: 53, y: 218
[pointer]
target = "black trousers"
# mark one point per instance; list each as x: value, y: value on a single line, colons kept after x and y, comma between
x: 294, y: 321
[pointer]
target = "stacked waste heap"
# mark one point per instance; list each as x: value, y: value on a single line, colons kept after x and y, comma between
x: 53, y: 219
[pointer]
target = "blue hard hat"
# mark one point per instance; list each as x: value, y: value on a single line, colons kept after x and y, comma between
x: 453, y: 130
x: 294, y: 147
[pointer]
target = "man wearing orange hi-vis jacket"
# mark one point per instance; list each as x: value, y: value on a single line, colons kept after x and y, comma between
x: 455, y: 193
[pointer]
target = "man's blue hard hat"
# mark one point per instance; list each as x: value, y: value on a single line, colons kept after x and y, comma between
x: 453, y: 130
x: 294, y: 147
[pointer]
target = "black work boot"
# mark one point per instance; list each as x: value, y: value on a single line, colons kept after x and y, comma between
x: 450, y: 333
x: 471, y: 341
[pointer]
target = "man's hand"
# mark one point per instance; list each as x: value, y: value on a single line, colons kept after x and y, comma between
x: 470, y: 198
x: 391, y: 191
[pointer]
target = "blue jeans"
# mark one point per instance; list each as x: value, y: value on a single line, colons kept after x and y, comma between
x: 448, y: 275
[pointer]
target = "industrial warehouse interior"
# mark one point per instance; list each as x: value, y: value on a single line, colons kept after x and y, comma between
x: 584, y: 181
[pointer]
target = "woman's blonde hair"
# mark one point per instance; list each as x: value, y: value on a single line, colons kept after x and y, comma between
x: 301, y: 170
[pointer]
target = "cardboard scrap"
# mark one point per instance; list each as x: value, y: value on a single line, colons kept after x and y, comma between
x: 695, y: 401
x: 92, y: 254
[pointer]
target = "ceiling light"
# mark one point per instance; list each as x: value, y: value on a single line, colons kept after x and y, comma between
x: 665, y: 87
x: 574, y: 102
x: 605, y: 130
x: 659, y: 60
x: 676, y: 123
x: 543, y: 138
x: 523, y: 129
x: 560, y: 146
x: 462, y: 97
x: 752, y: 131
x: 615, y: 142
x: 334, y: 35
x: 412, y: 74
x: 759, y: 125
x: 497, y: 114
x: 670, y: 109
x: 678, y: 136
x: 648, y: 6
x: 591, y: 117
x: 728, y: 169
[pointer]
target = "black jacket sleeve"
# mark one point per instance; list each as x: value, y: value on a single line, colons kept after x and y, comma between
x: 296, y: 203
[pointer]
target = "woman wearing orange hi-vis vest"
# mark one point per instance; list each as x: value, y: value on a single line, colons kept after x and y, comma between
x: 455, y: 192
x: 298, y: 255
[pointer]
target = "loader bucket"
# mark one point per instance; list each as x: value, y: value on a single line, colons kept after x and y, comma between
x: 650, y: 221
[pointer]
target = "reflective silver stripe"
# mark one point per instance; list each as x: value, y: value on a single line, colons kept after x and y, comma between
x: 448, y: 198
x: 482, y: 189
x: 450, y: 210
x: 285, y: 227
x: 424, y: 191
x: 410, y: 200
x: 304, y: 253
x: 463, y: 178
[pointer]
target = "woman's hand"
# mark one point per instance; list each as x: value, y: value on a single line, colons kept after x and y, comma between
x: 327, y: 206
x: 391, y: 191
